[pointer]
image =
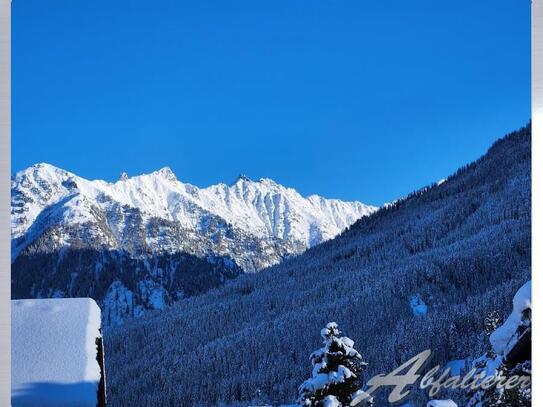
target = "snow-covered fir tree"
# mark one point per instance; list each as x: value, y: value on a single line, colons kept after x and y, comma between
x: 336, y: 378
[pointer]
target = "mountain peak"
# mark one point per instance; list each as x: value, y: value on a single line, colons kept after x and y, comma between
x: 259, y: 208
x: 264, y: 181
x: 241, y: 178
x: 167, y: 173
x: 268, y: 181
x: 43, y: 165
x: 47, y: 167
x: 42, y: 171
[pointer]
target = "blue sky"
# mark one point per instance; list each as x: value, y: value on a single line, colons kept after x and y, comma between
x: 348, y: 99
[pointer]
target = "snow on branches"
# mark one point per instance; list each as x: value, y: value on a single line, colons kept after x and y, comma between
x: 337, y: 372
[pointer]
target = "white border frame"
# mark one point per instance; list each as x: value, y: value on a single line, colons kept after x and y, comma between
x: 5, y: 171
x: 537, y: 199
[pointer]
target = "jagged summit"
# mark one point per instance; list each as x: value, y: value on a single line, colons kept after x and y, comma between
x: 45, y: 196
x: 46, y: 166
x: 243, y: 177
x: 167, y: 173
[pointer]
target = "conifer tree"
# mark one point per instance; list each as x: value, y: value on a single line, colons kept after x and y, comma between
x: 337, y: 372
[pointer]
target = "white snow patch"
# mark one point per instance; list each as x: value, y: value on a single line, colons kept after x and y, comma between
x: 331, y: 401
x: 54, y: 354
x: 418, y: 306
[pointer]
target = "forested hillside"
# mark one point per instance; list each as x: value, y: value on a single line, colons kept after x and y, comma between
x: 122, y: 285
x: 419, y: 274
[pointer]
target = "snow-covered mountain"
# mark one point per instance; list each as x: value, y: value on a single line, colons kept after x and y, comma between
x: 143, y: 242
x: 255, y: 223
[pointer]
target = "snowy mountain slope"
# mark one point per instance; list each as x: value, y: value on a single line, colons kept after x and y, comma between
x: 419, y: 274
x: 144, y: 242
x: 158, y: 207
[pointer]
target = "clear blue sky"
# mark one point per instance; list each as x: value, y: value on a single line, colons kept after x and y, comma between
x: 348, y: 99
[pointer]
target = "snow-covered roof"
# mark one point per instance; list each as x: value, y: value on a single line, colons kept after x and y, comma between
x: 54, y: 352
x: 503, y: 338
